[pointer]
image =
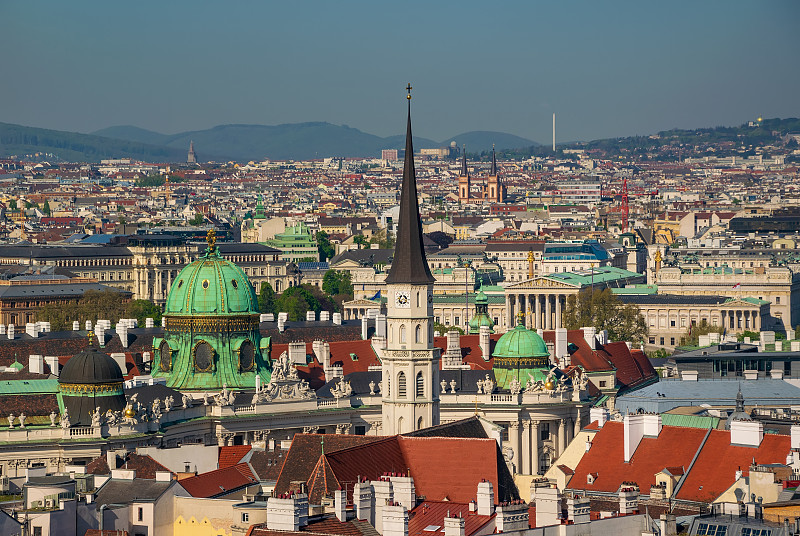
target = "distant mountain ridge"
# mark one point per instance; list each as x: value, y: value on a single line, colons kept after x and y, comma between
x: 290, y: 141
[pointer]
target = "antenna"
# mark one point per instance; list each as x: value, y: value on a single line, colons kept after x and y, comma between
x: 554, y: 132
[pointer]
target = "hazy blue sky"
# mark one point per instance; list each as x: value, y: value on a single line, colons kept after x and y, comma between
x: 606, y: 68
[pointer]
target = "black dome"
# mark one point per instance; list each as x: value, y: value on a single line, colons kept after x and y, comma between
x: 91, y: 367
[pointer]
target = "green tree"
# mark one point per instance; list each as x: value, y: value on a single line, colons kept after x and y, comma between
x: 324, y: 246
x: 198, y: 219
x: 46, y: 207
x: 361, y: 241
x: 383, y: 239
x: 442, y: 329
x: 266, y: 298
x: 150, y: 181
x: 296, y: 301
x: 143, y: 309
x: 692, y: 335
x: 603, y: 310
x: 337, y: 282
x: 94, y: 305
x: 12, y: 204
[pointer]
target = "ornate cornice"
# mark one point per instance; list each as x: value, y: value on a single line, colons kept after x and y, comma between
x: 80, y: 389
x: 211, y: 324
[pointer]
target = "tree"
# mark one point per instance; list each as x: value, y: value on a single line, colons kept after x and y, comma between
x: 693, y: 332
x: 93, y: 305
x: 198, y: 219
x: 12, y: 204
x: 361, y: 241
x: 46, y: 207
x: 324, y: 246
x: 337, y: 282
x: 143, y: 309
x: 442, y: 329
x: 297, y: 301
x: 266, y: 298
x: 603, y: 310
x: 383, y: 238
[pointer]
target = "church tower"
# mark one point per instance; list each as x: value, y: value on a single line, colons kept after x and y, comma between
x: 410, y: 385
x: 191, y: 158
x: 494, y: 188
x: 463, y: 179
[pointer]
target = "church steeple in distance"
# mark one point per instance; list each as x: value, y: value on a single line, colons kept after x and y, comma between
x: 493, y: 169
x: 464, y: 170
x: 409, y: 264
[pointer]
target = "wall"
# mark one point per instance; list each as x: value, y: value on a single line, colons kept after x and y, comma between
x: 203, y: 517
x: 203, y: 458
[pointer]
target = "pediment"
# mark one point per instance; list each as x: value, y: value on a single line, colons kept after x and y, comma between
x: 361, y: 301
x: 539, y: 283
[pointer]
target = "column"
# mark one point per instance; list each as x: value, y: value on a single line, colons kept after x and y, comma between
x: 534, y: 451
x: 558, y: 310
x: 756, y: 321
x: 538, y: 324
x: 513, y: 435
x: 577, y: 422
x: 526, y: 448
x: 561, y: 437
x: 570, y: 429
x: 548, y: 321
x: 509, y: 312
x: 522, y: 307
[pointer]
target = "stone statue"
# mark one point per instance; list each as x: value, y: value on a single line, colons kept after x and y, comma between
x: 112, y: 417
x: 53, y: 416
x: 186, y: 400
x: 453, y: 386
x: 22, y: 418
x: 231, y: 398
x: 205, y: 399
x: 488, y: 385
x: 65, y: 419
x: 342, y: 389
x: 515, y: 386
x: 96, y: 417
x: 156, y: 409
x: 168, y: 402
x: 371, y: 387
x: 255, y: 399
x: 11, y: 418
x: 480, y: 387
x: 444, y: 386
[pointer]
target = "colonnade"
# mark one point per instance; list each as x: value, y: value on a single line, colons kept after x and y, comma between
x: 741, y: 319
x: 543, y: 310
x: 528, y: 444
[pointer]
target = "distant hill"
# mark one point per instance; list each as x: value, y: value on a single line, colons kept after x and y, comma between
x: 72, y: 146
x: 295, y: 141
x: 482, y: 140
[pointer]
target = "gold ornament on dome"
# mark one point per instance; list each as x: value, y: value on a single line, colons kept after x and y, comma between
x: 549, y: 385
x: 130, y: 413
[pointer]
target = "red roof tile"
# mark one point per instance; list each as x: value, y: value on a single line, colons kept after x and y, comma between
x: 429, y: 513
x: 229, y: 456
x: 219, y: 481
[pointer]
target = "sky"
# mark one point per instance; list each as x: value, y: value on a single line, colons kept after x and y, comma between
x: 606, y: 68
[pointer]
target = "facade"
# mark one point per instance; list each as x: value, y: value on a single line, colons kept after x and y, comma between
x: 296, y: 244
x: 492, y: 191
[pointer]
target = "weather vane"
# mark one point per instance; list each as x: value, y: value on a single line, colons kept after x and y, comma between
x: 409, y: 88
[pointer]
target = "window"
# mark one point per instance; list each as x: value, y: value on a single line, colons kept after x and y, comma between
x: 661, y: 341
x: 245, y: 517
x: 402, y: 334
x: 361, y: 430
x: 140, y: 514
x: 401, y: 385
x: 651, y: 340
x: 672, y: 341
x: 418, y: 334
x: 672, y: 323
x: 602, y: 383
x: 457, y: 321
x: 37, y: 531
x: 544, y: 431
x: 420, y: 385
x: 777, y: 300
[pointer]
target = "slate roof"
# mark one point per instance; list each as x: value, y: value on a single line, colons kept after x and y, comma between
x: 117, y: 491
x: 31, y: 405
x: 266, y: 465
x: 145, y: 466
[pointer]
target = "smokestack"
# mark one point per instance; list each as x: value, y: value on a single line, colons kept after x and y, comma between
x: 554, y: 132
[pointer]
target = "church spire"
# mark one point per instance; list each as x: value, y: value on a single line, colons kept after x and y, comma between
x: 493, y: 169
x: 464, y: 170
x: 409, y: 264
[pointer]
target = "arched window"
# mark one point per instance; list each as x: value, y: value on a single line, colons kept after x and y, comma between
x: 401, y: 385
x: 417, y: 298
x: 418, y: 334
x: 402, y: 333
x: 420, y: 385
x: 420, y: 424
x: 400, y: 425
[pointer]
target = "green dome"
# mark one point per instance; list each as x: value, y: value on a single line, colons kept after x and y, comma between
x: 520, y: 355
x: 211, y: 285
x: 481, y: 317
x: 521, y: 342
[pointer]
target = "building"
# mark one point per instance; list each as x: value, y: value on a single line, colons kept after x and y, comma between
x: 296, y: 244
x: 491, y: 191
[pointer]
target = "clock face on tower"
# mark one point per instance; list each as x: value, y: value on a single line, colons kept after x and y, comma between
x: 402, y: 299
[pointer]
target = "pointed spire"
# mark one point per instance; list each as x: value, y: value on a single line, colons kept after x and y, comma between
x: 493, y: 169
x: 409, y: 264
x: 464, y: 170
x: 740, y: 400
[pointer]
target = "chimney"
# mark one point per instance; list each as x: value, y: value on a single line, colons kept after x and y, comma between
x: 119, y: 357
x: 88, y: 325
x: 297, y: 353
x: 395, y: 520
x: 484, y: 342
x: 404, y: 492
x: 340, y: 504
x: 452, y: 356
x: 149, y: 322
x: 11, y: 331
x: 337, y: 319
x: 52, y: 362
x: 747, y: 433
x: 598, y: 414
x: 512, y: 517
x: 668, y: 525
x: 795, y: 441
x: 603, y: 337
x: 590, y: 336
x: 652, y: 424
x: 548, y: 503
x: 111, y: 459
x: 76, y: 326
x: 287, y: 512
x: 122, y: 331
x: 384, y: 494
x: 311, y: 316
x: 36, y: 364
x: 324, y: 316
x: 485, y: 498
x: 363, y: 497
x: 628, y: 498
x: 454, y: 526
x: 380, y: 325
x: 2, y: 329
x: 561, y: 343
x: 633, y: 432
x: 578, y: 509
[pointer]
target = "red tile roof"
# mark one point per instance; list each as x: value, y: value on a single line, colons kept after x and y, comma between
x: 230, y: 456
x: 219, y: 481
x: 430, y: 512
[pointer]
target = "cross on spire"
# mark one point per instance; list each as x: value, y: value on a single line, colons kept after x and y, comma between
x: 409, y: 88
